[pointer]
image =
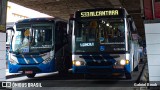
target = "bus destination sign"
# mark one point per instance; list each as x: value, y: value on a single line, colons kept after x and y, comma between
x: 100, y: 13
x: 89, y: 13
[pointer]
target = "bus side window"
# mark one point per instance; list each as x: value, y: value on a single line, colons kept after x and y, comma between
x: 129, y: 35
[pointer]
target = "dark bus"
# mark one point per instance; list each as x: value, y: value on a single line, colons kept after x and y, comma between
x: 103, y: 42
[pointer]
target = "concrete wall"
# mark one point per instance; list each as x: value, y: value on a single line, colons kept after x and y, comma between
x: 2, y: 56
x: 152, y: 31
x: 3, y: 11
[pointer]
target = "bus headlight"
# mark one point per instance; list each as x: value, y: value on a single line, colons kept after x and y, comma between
x: 124, y: 62
x: 78, y: 63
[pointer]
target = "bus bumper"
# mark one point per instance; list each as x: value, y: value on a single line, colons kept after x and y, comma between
x: 38, y: 68
x: 98, y: 70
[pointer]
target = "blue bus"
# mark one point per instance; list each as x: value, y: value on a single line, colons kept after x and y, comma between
x: 104, y: 42
x: 39, y: 45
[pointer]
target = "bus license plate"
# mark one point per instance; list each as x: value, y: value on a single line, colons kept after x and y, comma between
x: 28, y: 72
x: 119, y: 67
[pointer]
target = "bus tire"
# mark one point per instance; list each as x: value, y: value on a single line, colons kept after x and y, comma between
x: 31, y: 75
x: 128, y: 76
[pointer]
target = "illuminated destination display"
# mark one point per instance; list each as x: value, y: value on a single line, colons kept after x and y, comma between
x: 100, y: 13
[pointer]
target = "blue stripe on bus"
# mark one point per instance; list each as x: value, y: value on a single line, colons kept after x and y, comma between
x: 31, y: 61
x: 39, y: 59
x: 21, y: 60
x: 90, y: 58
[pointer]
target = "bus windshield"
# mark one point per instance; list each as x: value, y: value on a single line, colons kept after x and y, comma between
x: 97, y: 32
x: 32, y: 38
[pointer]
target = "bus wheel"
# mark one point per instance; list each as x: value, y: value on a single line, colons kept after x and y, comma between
x: 31, y: 75
x: 128, y: 75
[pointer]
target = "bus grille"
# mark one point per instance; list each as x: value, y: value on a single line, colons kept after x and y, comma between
x: 99, y: 70
x: 102, y: 63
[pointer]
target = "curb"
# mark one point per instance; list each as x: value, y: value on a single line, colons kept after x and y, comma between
x: 14, y: 75
x: 139, y: 77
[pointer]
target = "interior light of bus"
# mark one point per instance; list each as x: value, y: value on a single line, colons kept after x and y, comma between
x: 110, y: 26
x: 103, y: 22
x: 107, y: 24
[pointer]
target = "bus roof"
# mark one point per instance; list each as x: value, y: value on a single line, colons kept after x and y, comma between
x: 45, y: 19
x: 94, y: 9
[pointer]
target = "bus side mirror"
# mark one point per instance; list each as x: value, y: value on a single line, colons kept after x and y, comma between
x: 9, y: 35
x: 10, y: 30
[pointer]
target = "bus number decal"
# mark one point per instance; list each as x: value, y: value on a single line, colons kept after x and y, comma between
x: 86, y: 44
